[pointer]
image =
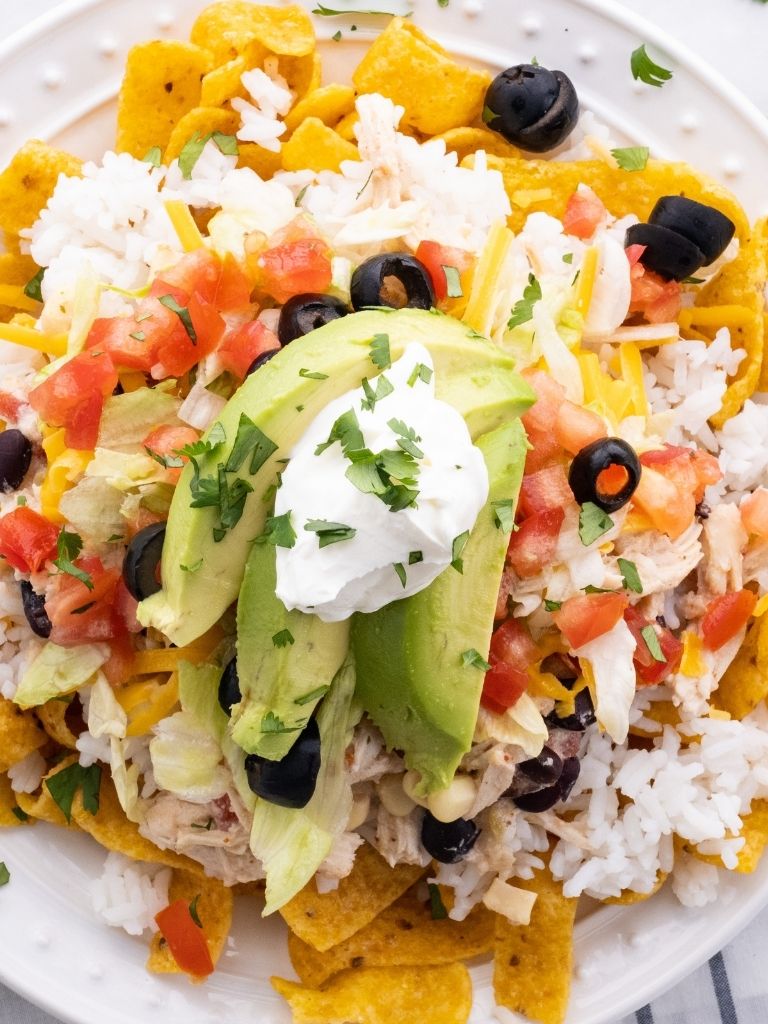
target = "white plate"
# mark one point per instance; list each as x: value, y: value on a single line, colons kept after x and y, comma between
x: 58, y: 80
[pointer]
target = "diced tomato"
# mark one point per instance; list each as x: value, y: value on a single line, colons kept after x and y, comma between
x: 576, y: 427
x: 513, y: 643
x: 129, y: 340
x: 27, y: 539
x: 583, y: 213
x: 649, y: 671
x: 303, y: 265
x: 532, y: 546
x: 167, y: 440
x: 220, y: 283
x: 539, y: 420
x: 634, y: 252
x: 119, y: 666
x: 754, y: 512
x: 10, y: 407
x: 692, y: 470
x: 658, y: 300
x: 436, y: 257
x: 144, y: 517
x: 243, y: 345
x: 725, y: 617
x: 80, y: 614
x: 186, y: 940
x: 125, y: 605
x: 545, y: 489
x: 73, y: 396
x: 180, y: 352
x: 669, y: 507
x: 587, y: 616
x: 512, y: 652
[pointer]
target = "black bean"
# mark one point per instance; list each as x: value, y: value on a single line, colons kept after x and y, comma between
x: 291, y: 781
x: 546, y: 768
x: 448, y: 842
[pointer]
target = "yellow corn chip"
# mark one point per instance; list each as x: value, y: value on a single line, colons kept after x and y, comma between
x: 162, y: 83
x: 9, y: 804
x: 201, y: 121
x: 755, y: 832
x: 622, y: 192
x: 315, y: 147
x: 263, y: 161
x: 346, y: 126
x: 41, y: 805
x: 214, y: 908
x: 28, y: 181
x: 303, y: 74
x: 328, y: 919
x: 413, y: 71
x: 223, y: 83
x: 53, y: 718
x: 15, y: 271
x: 330, y: 104
x: 465, y: 141
x: 533, y: 963
x: 662, y: 711
x: 383, y: 995
x: 628, y: 897
x: 19, y: 734
x: 745, y: 682
x: 236, y: 27
x: 403, y: 935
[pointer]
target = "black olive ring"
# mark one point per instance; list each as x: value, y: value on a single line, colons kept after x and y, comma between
x: 369, y: 286
x: 591, y: 461
x: 141, y: 561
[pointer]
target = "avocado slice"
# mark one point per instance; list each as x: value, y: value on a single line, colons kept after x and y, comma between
x: 203, y: 570
x: 286, y: 661
x: 411, y: 673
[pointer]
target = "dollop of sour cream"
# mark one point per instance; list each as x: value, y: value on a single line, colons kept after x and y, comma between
x: 392, y: 554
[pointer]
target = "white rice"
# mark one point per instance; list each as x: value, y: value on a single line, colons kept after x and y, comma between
x: 262, y: 119
x: 129, y: 893
x: 27, y: 774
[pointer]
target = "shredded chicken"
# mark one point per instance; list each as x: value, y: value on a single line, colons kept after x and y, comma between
x: 398, y: 839
x: 724, y: 540
x: 368, y: 758
x: 339, y: 862
x: 662, y: 564
x: 755, y: 560
x: 496, y: 777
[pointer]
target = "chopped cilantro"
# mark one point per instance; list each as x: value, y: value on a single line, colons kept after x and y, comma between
x: 383, y: 388
x: 630, y: 576
x: 279, y: 532
x: 400, y: 571
x: 193, y: 911
x: 166, y: 461
x: 568, y: 258
x: 114, y: 538
x: 64, y: 785
x: 194, y: 147
x: 552, y: 606
x: 633, y: 158
x: 21, y: 501
x: 504, y: 514
x: 313, y: 375
x: 330, y: 12
x: 336, y: 37
x: 488, y: 114
x: 283, y: 639
x: 192, y: 568
x: 696, y: 280
x: 18, y: 813
x: 249, y: 440
x: 473, y: 659
x: 453, y: 282
x: 407, y: 438
x: 457, y: 549
x: 593, y: 523
x: 522, y: 311
x: 68, y: 547
x: 648, y: 633
x: 307, y: 698
x: 153, y: 156
x: 182, y: 313
x: 5, y: 874
x: 436, y: 905
x: 347, y: 431
x: 138, y: 335
x: 301, y: 194
x: 329, y: 532
x: 591, y: 589
x: 415, y: 557
x: 271, y: 723
x: 420, y: 372
x: 647, y: 70
x: 32, y: 289
x: 380, y: 354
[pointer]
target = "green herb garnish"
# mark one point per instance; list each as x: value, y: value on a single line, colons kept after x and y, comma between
x: 194, y: 147
x: 401, y: 573
x: 33, y: 287
x: 64, y: 785
x: 329, y: 532
x: 593, y: 523
x: 457, y: 549
x: 383, y: 388
x: 473, y: 659
x: 307, y: 698
x: 249, y: 440
x: 552, y: 606
x: 415, y: 557
x: 647, y: 70
x: 192, y: 568
x: 633, y: 158
x: 420, y: 372
x: 193, y: 911
x: 5, y: 874
x: 68, y: 547
x: 522, y: 311
x: 648, y: 633
x: 407, y: 438
x: 182, y: 313
x: 278, y: 531
x: 153, y: 156
x: 271, y: 723
x: 504, y: 514
x: 436, y: 905
x: 380, y: 354
x: 630, y: 576
x: 347, y: 431
x: 283, y: 639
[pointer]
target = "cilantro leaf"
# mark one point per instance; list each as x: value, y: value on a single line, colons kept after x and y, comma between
x: 249, y: 440
x: 64, y: 785
x: 647, y: 70
x: 32, y: 289
x: 182, y: 313
x: 283, y: 639
x: 5, y: 874
x: 407, y: 438
x: 522, y: 311
x: 330, y: 12
x: 633, y: 158
x: 18, y: 813
x: 648, y: 633
x: 380, y: 354
x: 457, y: 549
x: 307, y: 698
x: 489, y: 115
x: 68, y: 547
x: 195, y: 567
x: 420, y: 372
x: 336, y: 37
x: 400, y: 571
x: 347, y: 431
x: 383, y: 388
x: 630, y: 576
x: 329, y: 532
x: 312, y: 375
x: 436, y: 905
x: 568, y: 258
x: 227, y: 144
x: 504, y: 514
x: 193, y: 911
x: 552, y: 606
x: 194, y: 147
x: 473, y: 659
x: 279, y: 532
x: 166, y: 461
x: 272, y: 723
x: 153, y: 156
x: 593, y: 523
x: 415, y: 557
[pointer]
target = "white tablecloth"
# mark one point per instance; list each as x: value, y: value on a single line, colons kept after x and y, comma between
x: 731, y: 34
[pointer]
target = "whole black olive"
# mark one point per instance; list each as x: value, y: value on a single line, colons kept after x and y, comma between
x: 291, y: 781
x: 34, y: 610
x: 546, y: 768
x: 394, y: 279
x: 594, y: 459
x: 544, y: 799
x: 259, y: 361
x: 305, y: 313
x: 142, y: 560
x: 448, y: 842
x: 571, y: 771
x: 708, y: 229
x: 667, y: 253
x: 583, y: 714
x: 15, y: 457
x: 532, y: 107
x: 229, y: 688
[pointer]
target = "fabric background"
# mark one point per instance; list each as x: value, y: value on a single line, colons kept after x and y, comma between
x: 731, y: 35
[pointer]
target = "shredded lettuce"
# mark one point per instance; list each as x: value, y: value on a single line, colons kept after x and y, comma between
x: 125, y: 778
x: 521, y: 725
x: 128, y: 418
x: 92, y: 507
x: 186, y: 759
x: 124, y: 470
x: 609, y: 658
x: 105, y: 716
x: 59, y: 670
x: 292, y: 844
x: 85, y: 308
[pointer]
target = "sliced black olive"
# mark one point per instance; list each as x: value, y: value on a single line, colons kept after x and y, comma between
x: 708, y: 229
x: 229, y: 688
x: 34, y: 610
x: 566, y: 782
x: 666, y: 252
x: 305, y: 313
x: 583, y: 715
x: 260, y: 360
x: 291, y: 781
x: 590, y: 462
x: 563, y: 667
x: 15, y: 457
x: 532, y: 107
x: 546, y: 768
x: 142, y: 560
x: 544, y: 799
x: 394, y: 279
x: 448, y: 842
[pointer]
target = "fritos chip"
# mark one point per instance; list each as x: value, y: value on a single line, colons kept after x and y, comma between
x: 201, y: 121
x: 754, y: 830
x: 20, y: 734
x: 383, y: 995
x: 223, y: 83
x: 330, y: 104
x: 213, y: 907
x: 263, y: 161
x: 53, y: 718
x: 744, y: 684
x: 15, y: 271
x: 662, y: 711
x: 28, y: 181
x: 236, y: 27
x: 628, y: 897
x: 315, y: 147
x: 533, y: 963
x: 403, y: 935
x: 622, y: 192
x: 465, y: 141
x: 9, y: 804
x: 303, y: 74
x: 162, y: 83
x: 41, y: 805
x: 328, y: 919
x: 412, y: 70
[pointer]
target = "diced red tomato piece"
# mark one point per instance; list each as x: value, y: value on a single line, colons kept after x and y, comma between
x: 576, y: 427
x: 539, y: 420
x: 130, y: 341
x: 243, y: 345
x: 27, y: 539
x: 587, y: 616
x: 658, y: 300
x: 669, y: 507
x: 186, y: 940
x: 725, y: 617
x: 179, y: 352
x: 167, y: 440
x: 10, y: 407
x: 754, y: 512
x: 583, y: 213
x: 125, y: 605
x: 221, y: 283
x: 503, y: 687
x: 73, y: 395
x: 303, y: 265
x: 436, y: 257
x: 545, y: 489
x: 649, y: 671
x: 513, y: 643
x: 119, y: 667
x: 691, y: 469
x: 80, y: 614
x: 532, y: 546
